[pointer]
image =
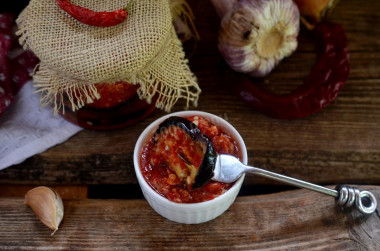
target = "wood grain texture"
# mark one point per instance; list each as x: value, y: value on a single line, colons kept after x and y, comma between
x: 66, y: 192
x: 297, y: 220
x: 337, y: 145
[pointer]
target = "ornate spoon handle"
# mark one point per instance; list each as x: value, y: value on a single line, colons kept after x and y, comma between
x: 228, y: 169
x: 346, y: 196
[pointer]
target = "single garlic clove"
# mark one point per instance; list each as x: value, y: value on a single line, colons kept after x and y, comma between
x: 256, y: 35
x: 47, y: 205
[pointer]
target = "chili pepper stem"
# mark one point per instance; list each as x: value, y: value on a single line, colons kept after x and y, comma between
x: 128, y: 6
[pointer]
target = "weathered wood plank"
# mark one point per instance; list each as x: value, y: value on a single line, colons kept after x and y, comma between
x: 66, y: 192
x: 338, y: 144
x: 296, y: 220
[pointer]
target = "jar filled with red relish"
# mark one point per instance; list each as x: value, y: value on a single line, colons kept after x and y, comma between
x: 118, y: 106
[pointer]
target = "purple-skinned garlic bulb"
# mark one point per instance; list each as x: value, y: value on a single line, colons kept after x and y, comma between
x: 255, y: 35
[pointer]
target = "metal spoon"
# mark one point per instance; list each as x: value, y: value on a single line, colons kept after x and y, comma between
x: 228, y: 169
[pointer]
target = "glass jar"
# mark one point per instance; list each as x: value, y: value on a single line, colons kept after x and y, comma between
x: 119, y: 106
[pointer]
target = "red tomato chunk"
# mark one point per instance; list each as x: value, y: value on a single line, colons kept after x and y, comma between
x: 158, y: 174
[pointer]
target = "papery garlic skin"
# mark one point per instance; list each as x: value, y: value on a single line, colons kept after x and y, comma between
x: 257, y: 34
x: 47, y: 205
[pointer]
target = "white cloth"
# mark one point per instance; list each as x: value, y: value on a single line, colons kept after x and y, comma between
x: 27, y: 128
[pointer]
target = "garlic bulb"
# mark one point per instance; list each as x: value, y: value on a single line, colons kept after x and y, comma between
x: 47, y: 205
x: 255, y: 35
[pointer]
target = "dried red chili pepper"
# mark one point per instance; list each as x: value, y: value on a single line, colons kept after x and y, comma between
x: 89, y: 17
x: 321, y: 86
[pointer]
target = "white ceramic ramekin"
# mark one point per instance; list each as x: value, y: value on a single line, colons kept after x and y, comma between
x: 194, y: 212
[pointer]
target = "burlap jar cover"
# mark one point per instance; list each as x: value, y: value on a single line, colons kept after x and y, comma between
x: 74, y: 57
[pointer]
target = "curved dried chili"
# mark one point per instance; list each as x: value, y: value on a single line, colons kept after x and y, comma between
x: 321, y: 86
x: 89, y: 17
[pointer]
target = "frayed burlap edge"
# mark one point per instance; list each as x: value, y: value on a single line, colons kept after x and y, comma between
x: 168, y: 91
x: 77, y: 93
x: 153, y: 80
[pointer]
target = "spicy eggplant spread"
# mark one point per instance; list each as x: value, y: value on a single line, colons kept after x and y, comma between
x: 179, y: 158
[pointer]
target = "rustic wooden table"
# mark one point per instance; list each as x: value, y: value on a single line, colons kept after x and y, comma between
x: 340, y: 144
